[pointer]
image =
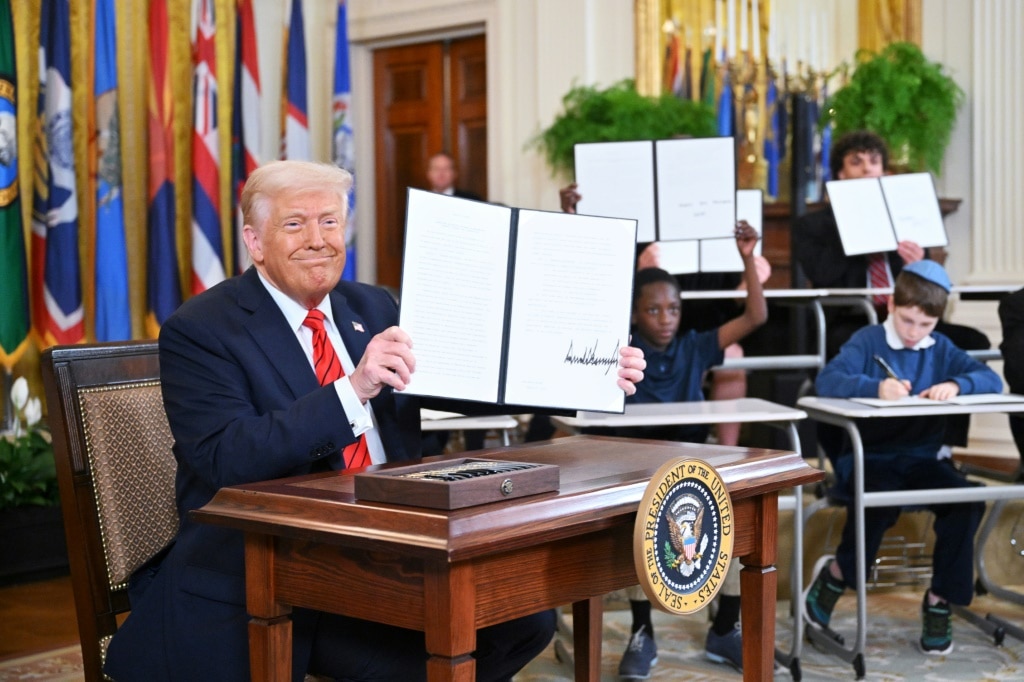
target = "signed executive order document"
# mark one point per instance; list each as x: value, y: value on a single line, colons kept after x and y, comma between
x: 514, y: 306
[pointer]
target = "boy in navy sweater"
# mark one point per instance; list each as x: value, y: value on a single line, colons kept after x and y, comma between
x: 900, y: 453
x: 676, y: 368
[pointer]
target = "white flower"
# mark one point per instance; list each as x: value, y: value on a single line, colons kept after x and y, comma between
x: 33, y: 412
x: 19, y: 393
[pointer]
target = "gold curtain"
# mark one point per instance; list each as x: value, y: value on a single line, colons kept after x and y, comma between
x: 133, y: 81
x: 880, y: 22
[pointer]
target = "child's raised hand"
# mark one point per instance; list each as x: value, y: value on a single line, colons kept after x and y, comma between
x: 943, y: 391
x: 746, y: 238
x: 893, y: 389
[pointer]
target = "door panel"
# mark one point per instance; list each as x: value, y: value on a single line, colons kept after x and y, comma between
x: 416, y: 116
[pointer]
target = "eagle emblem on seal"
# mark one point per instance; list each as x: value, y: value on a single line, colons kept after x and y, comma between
x: 685, y: 531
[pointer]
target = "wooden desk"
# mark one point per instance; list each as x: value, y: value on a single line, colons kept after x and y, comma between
x: 449, y: 573
x: 845, y: 414
x: 740, y: 410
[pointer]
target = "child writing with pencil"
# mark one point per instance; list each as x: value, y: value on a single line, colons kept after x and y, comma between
x: 904, y: 356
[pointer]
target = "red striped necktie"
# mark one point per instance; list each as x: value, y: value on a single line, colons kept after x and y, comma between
x: 328, y: 369
x: 878, y: 277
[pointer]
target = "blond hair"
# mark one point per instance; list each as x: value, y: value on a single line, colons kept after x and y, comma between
x: 275, y: 177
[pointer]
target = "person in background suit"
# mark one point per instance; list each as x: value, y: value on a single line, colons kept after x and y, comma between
x: 441, y: 176
x: 248, y: 398
x: 1011, y: 317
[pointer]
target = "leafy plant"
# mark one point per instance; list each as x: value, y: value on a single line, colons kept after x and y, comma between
x: 28, y: 475
x: 617, y: 114
x: 909, y: 101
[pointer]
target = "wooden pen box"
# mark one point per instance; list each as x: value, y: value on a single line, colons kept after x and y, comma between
x: 456, y: 483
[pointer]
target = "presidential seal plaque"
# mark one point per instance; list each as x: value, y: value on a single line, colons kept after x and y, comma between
x: 682, y: 542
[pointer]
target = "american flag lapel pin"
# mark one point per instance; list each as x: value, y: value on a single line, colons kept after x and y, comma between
x: 357, y: 326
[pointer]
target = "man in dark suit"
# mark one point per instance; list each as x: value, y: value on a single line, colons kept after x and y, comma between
x: 441, y: 176
x: 1011, y: 317
x: 239, y: 374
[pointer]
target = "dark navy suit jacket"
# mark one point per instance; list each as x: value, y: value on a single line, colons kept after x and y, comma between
x: 244, y: 405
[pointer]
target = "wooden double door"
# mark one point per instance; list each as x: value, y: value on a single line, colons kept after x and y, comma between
x: 429, y: 97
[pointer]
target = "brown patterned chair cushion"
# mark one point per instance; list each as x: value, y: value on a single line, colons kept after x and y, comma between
x: 128, y: 443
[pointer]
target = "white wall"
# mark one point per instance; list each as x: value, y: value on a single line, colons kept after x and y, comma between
x: 536, y: 50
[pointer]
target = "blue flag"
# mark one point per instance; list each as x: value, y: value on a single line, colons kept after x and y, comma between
x: 344, y: 144
x: 726, y: 119
x: 826, y: 143
x: 59, y: 316
x: 113, y: 320
x: 771, y: 139
x: 295, y: 140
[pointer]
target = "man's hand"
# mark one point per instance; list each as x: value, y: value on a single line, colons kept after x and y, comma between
x: 631, y: 368
x: 569, y: 197
x: 943, y: 391
x: 388, y: 360
x: 893, y: 389
x: 909, y: 251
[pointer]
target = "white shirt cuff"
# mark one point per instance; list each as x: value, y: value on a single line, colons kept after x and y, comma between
x: 358, y: 416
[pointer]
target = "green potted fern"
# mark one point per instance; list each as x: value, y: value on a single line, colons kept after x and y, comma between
x: 901, y: 95
x: 617, y: 114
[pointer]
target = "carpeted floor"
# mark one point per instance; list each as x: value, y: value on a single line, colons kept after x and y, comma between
x: 891, y: 648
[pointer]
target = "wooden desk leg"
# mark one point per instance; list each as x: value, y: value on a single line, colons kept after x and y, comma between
x: 758, y: 585
x: 270, y: 627
x: 586, y: 636
x: 450, y: 627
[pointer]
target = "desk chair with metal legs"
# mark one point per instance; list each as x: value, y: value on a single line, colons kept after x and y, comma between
x: 845, y: 414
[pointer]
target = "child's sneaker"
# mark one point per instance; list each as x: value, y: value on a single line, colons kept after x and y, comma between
x: 821, y: 597
x: 937, y: 627
x: 725, y: 648
x: 641, y: 654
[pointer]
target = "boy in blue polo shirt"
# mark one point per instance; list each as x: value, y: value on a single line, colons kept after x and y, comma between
x: 900, y: 453
x: 676, y: 365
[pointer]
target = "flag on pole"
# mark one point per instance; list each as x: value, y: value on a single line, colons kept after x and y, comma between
x: 344, y: 144
x: 163, y: 285
x: 58, y: 313
x: 707, y: 80
x: 14, y: 314
x: 245, y: 120
x: 826, y: 141
x: 207, y: 243
x: 295, y: 136
x: 113, y: 319
x: 771, y: 138
x: 726, y: 118
x: 672, y: 69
